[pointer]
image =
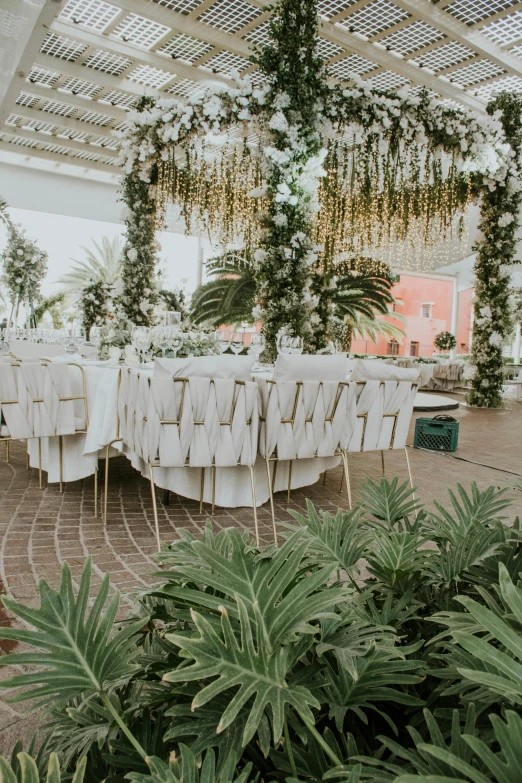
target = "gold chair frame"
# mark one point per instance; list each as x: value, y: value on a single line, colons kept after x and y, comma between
x: 187, y: 464
x: 275, y: 458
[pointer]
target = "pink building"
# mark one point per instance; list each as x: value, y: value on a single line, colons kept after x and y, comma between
x: 427, y: 303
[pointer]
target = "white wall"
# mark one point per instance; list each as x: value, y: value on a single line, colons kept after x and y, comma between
x: 62, y: 238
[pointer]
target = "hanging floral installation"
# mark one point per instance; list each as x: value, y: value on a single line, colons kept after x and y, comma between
x: 95, y: 304
x: 302, y: 175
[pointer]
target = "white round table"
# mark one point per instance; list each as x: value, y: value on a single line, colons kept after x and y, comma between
x: 434, y: 402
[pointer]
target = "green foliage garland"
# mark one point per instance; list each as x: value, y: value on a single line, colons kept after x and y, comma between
x: 496, y: 249
x: 95, y: 304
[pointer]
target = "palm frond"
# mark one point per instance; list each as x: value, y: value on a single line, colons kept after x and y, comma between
x: 28, y: 771
x: 101, y: 264
x: 230, y: 297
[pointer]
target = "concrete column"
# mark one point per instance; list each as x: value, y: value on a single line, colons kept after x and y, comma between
x: 516, y: 347
x: 455, y: 313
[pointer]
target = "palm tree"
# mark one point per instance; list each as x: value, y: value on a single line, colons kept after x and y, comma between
x: 230, y: 297
x: 101, y: 264
x: 362, y: 294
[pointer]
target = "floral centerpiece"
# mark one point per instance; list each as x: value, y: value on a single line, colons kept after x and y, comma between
x: 24, y: 267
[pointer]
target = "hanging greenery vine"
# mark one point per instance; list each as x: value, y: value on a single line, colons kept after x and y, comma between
x: 495, y: 249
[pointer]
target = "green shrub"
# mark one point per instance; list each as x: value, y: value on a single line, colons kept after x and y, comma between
x: 380, y: 644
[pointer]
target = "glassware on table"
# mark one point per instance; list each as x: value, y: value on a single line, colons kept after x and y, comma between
x: 257, y: 344
x: 79, y: 336
x: 284, y: 344
x: 297, y: 345
x: 141, y: 339
x: 237, y: 342
x: 95, y: 337
x: 162, y: 338
x: 175, y: 339
x: 222, y: 340
x: 172, y: 318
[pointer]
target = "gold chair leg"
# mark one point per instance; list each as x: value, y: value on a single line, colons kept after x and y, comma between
x: 342, y: 480
x: 154, y: 507
x: 270, y: 491
x: 40, y: 462
x: 409, y: 470
x: 324, y: 477
x: 106, y: 482
x: 213, y: 489
x: 27, y: 454
x: 96, y: 491
x: 347, y: 472
x: 253, y: 485
x: 202, y: 487
x: 60, y: 447
x: 289, y: 481
x: 382, y: 463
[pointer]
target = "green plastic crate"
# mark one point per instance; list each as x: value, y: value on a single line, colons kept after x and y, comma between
x: 438, y: 434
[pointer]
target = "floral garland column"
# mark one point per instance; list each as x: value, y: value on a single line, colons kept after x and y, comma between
x: 495, y: 253
x: 294, y: 106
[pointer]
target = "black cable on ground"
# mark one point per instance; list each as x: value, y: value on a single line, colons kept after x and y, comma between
x: 471, y: 461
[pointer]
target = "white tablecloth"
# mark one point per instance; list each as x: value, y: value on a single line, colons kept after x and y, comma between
x: 81, y: 452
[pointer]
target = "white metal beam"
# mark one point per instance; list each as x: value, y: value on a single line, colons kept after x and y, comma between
x: 356, y: 44
x: 101, y: 78
x: 33, y: 35
x: 79, y: 101
x: 458, y: 31
x: 140, y: 56
x: 71, y: 144
x: 55, y: 157
x: 181, y: 23
x: 67, y: 123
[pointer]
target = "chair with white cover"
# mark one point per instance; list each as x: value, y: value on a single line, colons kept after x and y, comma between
x: 172, y: 422
x: 384, y: 408
x: 55, y: 410
x: 15, y: 419
x: 303, y: 419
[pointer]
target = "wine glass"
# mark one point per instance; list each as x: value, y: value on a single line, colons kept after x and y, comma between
x: 257, y: 344
x: 297, y: 345
x: 141, y: 338
x: 79, y: 336
x: 161, y: 338
x: 222, y: 340
x: 95, y: 337
x: 175, y: 339
x: 237, y: 342
x: 284, y: 344
x: 172, y: 318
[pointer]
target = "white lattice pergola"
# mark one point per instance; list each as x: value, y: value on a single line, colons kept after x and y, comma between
x: 72, y: 68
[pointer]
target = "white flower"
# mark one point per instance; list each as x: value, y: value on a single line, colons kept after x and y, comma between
x: 505, y: 220
x: 257, y: 312
x: 495, y: 339
x: 260, y: 255
x: 132, y: 254
x: 114, y: 352
x: 280, y: 219
x: 132, y: 360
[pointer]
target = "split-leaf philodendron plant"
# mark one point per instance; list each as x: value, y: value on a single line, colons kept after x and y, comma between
x: 380, y: 644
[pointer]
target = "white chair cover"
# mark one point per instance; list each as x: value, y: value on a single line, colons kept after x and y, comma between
x: 199, y: 422
x: 14, y: 403
x: 384, y: 411
x: 45, y: 385
x: 300, y: 420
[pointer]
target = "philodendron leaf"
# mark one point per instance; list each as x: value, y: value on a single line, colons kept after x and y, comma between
x: 257, y: 672
x: 75, y: 652
x: 29, y: 771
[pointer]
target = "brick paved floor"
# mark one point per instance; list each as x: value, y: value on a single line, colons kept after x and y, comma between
x: 39, y: 529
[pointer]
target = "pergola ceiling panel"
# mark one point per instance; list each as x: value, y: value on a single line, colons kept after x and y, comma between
x: 89, y: 65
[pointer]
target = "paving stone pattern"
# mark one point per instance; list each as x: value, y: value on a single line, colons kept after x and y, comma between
x: 40, y: 528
